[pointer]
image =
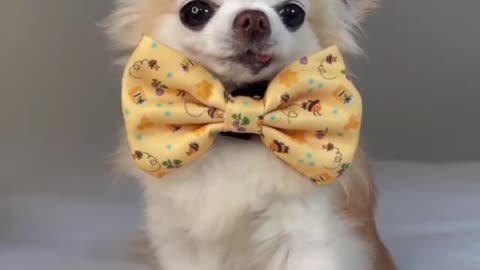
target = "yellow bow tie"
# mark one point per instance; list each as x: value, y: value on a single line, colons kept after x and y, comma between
x: 173, y: 110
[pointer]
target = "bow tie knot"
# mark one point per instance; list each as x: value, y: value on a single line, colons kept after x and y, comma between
x: 244, y: 115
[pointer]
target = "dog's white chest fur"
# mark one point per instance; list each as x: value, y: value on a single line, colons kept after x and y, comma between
x: 240, y: 207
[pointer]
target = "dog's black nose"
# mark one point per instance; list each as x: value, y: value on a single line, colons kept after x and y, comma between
x: 252, y: 25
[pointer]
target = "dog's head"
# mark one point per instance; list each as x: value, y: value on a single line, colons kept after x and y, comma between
x: 241, y: 41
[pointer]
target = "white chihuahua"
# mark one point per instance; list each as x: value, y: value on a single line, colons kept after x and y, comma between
x: 240, y: 207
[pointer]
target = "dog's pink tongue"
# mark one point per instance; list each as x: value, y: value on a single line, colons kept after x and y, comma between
x: 263, y: 58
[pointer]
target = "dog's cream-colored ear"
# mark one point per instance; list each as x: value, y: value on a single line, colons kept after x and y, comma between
x: 125, y: 24
x: 132, y: 18
x: 337, y: 21
x: 361, y: 8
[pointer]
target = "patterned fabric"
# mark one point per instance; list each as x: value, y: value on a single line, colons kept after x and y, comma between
x: 174, y: 109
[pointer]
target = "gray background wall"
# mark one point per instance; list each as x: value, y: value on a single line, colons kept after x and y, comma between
x: 60, y: 92
x: 420, y: 80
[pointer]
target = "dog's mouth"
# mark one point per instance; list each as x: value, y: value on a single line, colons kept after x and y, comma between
x: 253, y: 60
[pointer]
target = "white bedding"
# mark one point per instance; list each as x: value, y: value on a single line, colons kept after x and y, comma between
x: 429, y: 216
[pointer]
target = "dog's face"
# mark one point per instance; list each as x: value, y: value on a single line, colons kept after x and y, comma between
x: 240, y: 41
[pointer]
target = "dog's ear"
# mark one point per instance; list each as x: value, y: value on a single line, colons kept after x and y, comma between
x: 124, y: 25
x: 361, y: 8
x: 337, y: 21
x: 132, y: 18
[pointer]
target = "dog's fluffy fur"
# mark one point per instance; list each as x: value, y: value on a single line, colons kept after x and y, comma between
x: 240, y: 207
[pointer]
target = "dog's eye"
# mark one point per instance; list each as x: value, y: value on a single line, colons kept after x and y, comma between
x: 196, y: 14
x: 292, y: 16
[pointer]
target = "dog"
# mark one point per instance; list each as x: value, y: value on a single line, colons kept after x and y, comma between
x: 240, y: 207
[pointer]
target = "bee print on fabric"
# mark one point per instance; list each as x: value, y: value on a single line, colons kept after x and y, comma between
x: 214, y: 113
x: 331, y: 59
x: 181, y: 93
x: 147, y: 161
x: 329, y: 147
x: 188, y: 65
x: 322, y: 178
x: 313, y: 106
x: 288, y: 112
x: 279, y: 147
x: 137, y: 95
x: 135, y: 70
x: 343, y: 95
x: 285, y: 98
x: 153, y: 64
x: 325, y: 67
x: 194, y: 147
x: 337, y: 156
x: 174, y: 128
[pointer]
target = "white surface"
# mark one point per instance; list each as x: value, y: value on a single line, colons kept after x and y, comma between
x: 429, y: 216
